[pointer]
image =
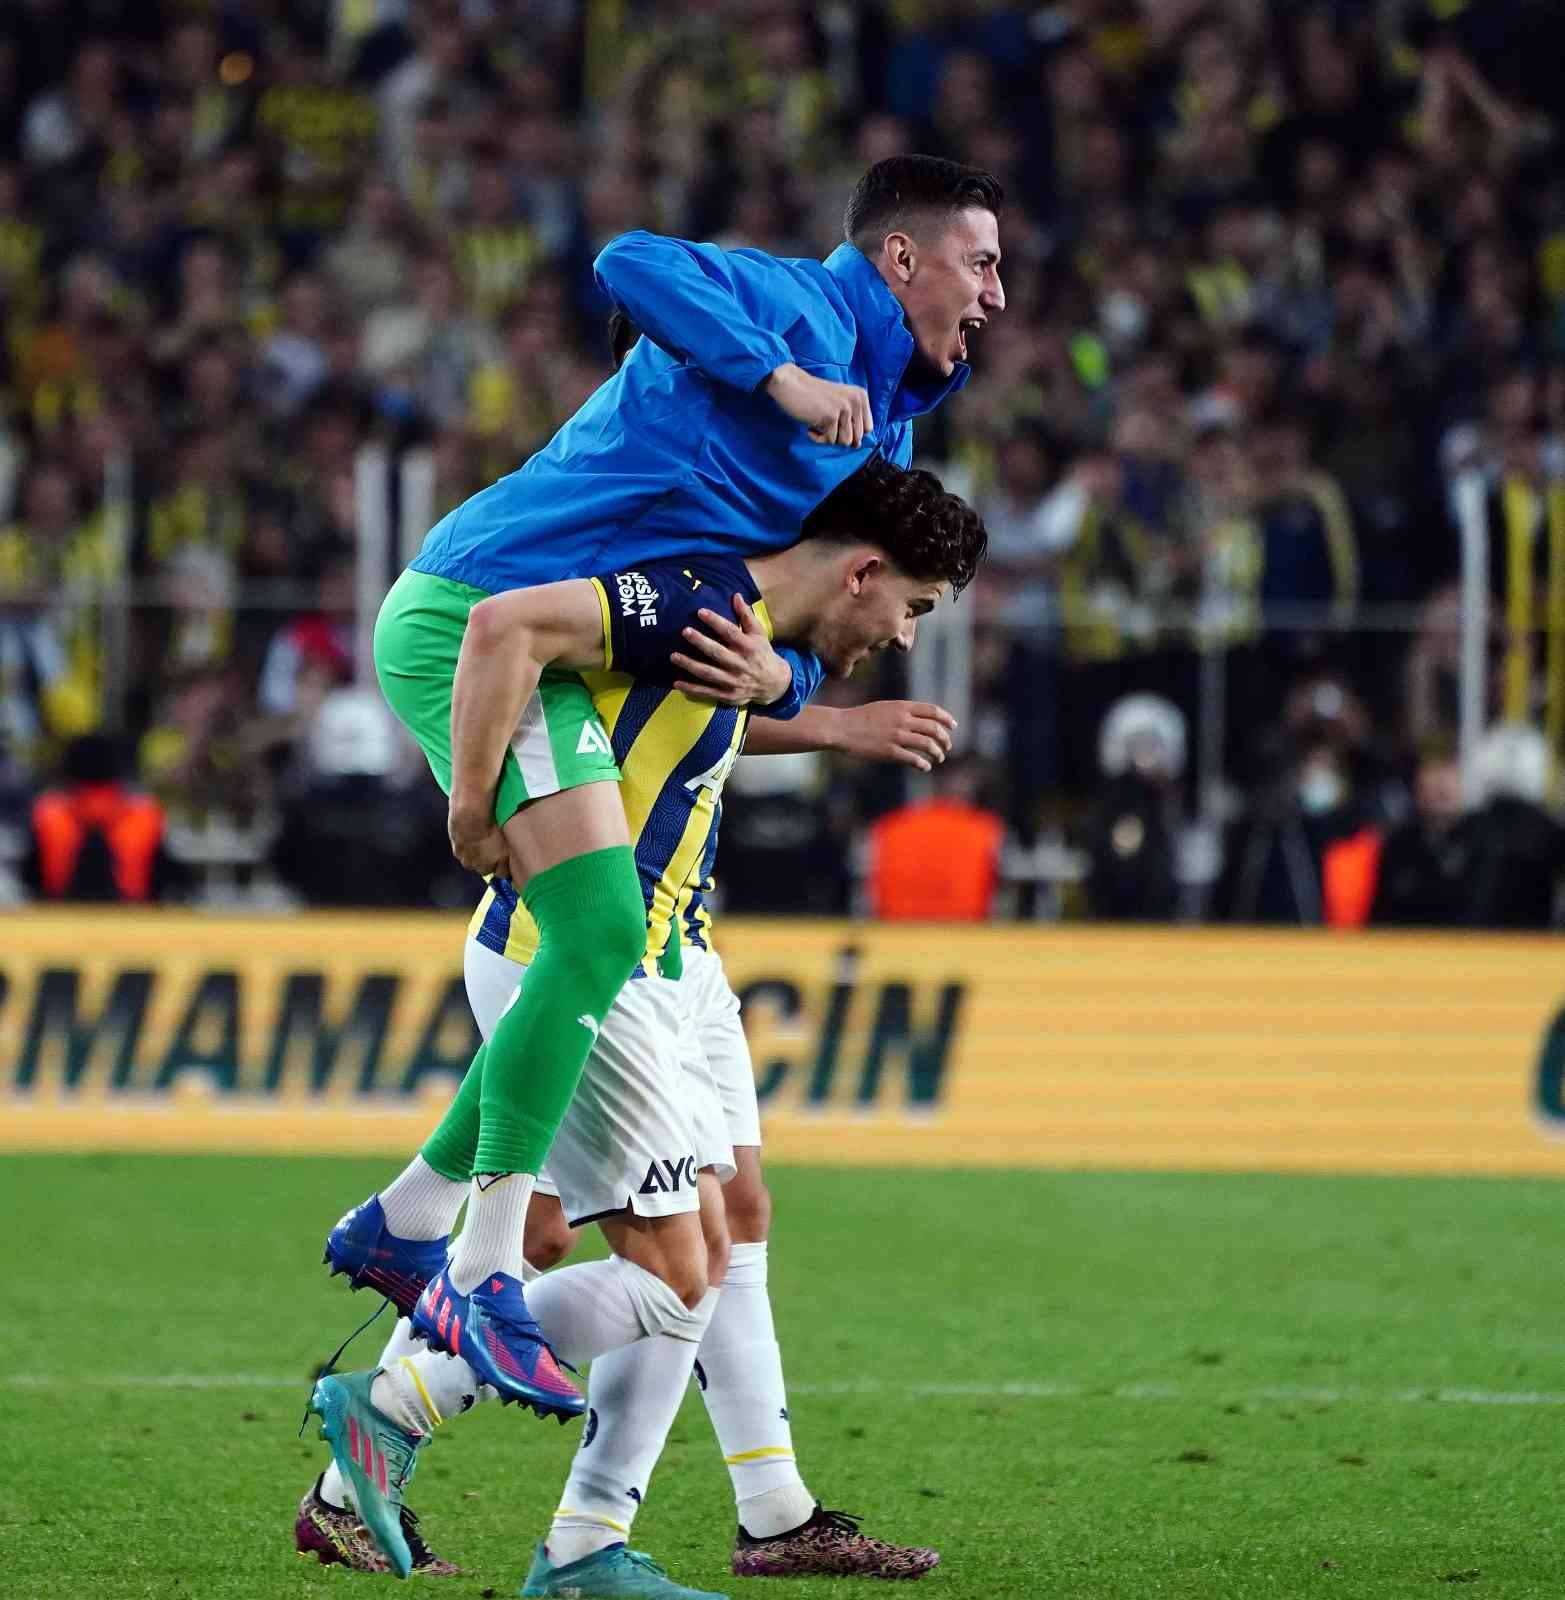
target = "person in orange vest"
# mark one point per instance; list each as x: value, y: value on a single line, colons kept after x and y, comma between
x: 938, y: 860
x: 95, y: 838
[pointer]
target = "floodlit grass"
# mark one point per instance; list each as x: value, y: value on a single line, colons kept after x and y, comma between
x: 1075, y: 1385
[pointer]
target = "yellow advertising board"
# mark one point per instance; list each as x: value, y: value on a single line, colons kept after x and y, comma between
x: 1011, y: 1046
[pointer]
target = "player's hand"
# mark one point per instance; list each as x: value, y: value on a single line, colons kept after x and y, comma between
x: 911, y: 732
x: 475, y: 840
x: 834, y: 413
x: 736, y: 666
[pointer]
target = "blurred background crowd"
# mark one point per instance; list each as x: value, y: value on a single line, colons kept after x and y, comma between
x: 1279, y: 273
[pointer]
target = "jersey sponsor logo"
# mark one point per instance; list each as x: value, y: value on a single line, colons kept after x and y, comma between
x: 638, y: 598
x: 715, y: 775
x: 669, y: 1177
x: 594, y: 741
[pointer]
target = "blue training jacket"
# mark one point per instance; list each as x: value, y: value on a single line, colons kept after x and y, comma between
x: 679, y: 452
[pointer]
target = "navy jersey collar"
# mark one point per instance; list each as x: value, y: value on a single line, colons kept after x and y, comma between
x: 887, y: 346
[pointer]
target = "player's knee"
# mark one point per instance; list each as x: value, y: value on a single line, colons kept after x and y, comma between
x: 619, y: 935
x: 749, y: 1208
x: 549, y: 1237
x: 687, y: 1276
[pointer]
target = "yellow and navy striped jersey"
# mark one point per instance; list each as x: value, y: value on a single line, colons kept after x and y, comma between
x: 674, y: 753
x: 692, y: 910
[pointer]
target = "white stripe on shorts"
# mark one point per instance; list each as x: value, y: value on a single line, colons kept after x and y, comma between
x: 533, y: 751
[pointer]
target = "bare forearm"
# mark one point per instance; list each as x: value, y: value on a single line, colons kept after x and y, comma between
x: 815, y: 728
x: 910, y: 732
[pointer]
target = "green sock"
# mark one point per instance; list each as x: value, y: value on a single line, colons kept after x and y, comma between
x: 592, y: 930
x: 451, y: 1147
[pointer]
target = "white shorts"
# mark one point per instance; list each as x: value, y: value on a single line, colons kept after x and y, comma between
x: 646, y: 1116
x: 714, y: 1010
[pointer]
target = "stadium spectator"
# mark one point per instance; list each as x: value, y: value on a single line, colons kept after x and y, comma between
x: 94, y: 837
x: 938, y: 859
x: 1517, y: 850
x: 1277, y: 275
x: 1421, y: 874
x: 348, y: 835
x: 1132, y: 832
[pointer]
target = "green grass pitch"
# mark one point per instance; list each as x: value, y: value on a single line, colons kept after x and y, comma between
x: 1075, y: 1385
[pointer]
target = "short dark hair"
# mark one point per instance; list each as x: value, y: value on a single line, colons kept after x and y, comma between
x: 903, y: 191
x: 930, y: 534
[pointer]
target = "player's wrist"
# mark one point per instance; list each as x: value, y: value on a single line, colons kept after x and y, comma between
x: 778, y: 681
x: 780, y: 377
x: 833, y: 724
x: 467, y: 807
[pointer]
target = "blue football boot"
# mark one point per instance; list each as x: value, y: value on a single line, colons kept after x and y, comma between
x: 613, y: 1574
x: 492, y: 1330
x: 375, y: 1259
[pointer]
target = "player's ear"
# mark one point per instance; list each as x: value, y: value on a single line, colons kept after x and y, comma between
x: 864, y: 567
x: 901, y: 255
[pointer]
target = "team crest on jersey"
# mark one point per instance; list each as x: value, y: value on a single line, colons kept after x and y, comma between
x: 638, y: 598
x: 669, y: 1177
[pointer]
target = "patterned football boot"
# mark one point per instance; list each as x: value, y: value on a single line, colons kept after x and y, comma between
x: 335, y: 1537
x: 829, y: 1545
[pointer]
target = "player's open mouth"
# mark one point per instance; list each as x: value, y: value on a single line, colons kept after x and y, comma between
x: 962, y: 328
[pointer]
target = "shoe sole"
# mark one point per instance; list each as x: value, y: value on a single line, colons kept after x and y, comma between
x: 330, y: 1403
x: 835, y: 1572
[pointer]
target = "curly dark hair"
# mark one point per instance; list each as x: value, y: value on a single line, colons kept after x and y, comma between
x: 929, y: 533
x: 901, y: 191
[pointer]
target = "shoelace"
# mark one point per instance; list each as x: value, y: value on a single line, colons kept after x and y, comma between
x: 400, y: 1461
x: 530, y: 1329
x: 837, y: 1521
x: 637, y: 1559
x: 416, y: 1546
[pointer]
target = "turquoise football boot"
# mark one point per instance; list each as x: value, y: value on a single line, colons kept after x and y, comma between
x: 376, y: 1457
x: 613, y: 1574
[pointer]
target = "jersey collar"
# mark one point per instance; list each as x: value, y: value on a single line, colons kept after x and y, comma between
x: 889, y: 347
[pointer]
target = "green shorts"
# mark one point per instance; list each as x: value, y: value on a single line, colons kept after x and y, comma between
x: 560, y: 742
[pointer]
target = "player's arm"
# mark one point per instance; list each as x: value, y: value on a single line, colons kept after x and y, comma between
x: 511, y: 637
x: 911, y: 732
x: 689, y: 299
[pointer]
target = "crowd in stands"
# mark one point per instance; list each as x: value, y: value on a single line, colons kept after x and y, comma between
x: 1278, y: 273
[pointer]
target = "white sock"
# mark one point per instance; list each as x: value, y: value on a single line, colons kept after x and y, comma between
x: 739, y: 1368
x: 492, y: 1239
x: 633, y: 1396
x: 420, y: 1204
x: 585, y: 1310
